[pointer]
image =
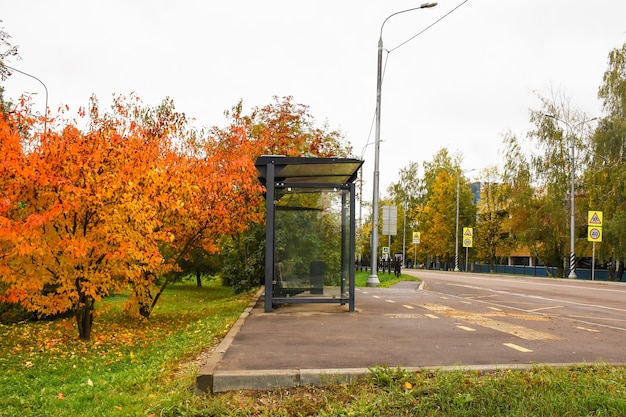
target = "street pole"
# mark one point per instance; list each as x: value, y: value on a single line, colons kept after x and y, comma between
x: 372, y: 279
x: 456, y: 232
x: 572, y: 223
x: 404, y: 207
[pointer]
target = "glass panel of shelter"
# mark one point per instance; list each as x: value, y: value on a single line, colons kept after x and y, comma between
x: 311, y: 252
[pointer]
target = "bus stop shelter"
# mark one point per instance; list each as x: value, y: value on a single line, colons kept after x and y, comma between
x: 310, y: 229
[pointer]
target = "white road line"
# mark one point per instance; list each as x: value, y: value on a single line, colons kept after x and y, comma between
x: 408, y: 306
x: 431, y: 316
x: 390, y: 301
x: 494, y: 308
x: 538, y: 297
x: 534, y: 310
x: 588, y: 330
x: 467, y: 329
x: 517, y: 347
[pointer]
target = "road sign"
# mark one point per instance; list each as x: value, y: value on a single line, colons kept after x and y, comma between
x: 594, y: 218
x: 594, y: 234
x: 468, y: 232
x: 416, y: 237
x: 468, y: 242
x: 390, y: 220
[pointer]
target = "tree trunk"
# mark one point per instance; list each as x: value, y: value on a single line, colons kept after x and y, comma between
x: 157, y: 296
x: 84, y: 316
x: 198, y: 278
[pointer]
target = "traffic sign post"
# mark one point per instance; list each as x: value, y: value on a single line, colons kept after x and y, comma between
x: 468, y: 242
x: 594, y: 234
x: 416, y: 241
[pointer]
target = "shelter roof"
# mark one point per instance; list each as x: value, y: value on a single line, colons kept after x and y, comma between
x: 309, y: 171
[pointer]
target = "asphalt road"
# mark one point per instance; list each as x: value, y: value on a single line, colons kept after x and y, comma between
x: 546, y: 319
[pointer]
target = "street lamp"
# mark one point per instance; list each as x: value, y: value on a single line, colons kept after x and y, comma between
x: 405, y: 206
x: 572, y: 225
x: 456, y: 232
x: 45, y: 120
x: 372, y: 280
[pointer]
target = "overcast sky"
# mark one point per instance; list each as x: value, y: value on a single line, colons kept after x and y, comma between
x: 461, y: 84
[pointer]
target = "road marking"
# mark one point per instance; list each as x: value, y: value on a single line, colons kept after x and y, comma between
x: 467, y: 329
x: 588, y: 330
x: 534, y: 310
x: 483, y: 321
x: 390, y: 301
x: 431, y: 316
x: 527, y: 317
x: 517, y: 347
x: 404, y: 316
x: 538, y: 297
x: 376, y: 296
x: 577, y: 316
x: 494, y: 308
x: 407, y: 306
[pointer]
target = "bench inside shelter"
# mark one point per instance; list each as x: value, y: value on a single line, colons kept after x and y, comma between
x: 310, y: 229
x: 314, y: 284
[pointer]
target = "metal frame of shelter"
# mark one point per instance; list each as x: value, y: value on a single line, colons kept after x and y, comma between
x: 310, y: 188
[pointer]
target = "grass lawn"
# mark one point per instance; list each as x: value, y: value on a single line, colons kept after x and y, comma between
x: 146, y: 368
x: 386, y: 280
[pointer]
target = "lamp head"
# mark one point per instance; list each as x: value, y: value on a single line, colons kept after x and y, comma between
x: 427, y: 5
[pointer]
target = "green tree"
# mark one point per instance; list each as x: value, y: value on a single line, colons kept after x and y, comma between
x: 559, y: 130
x: 407, y: 195
x: 491, y: 236
x: 605, y: 176
x: 437, y: 217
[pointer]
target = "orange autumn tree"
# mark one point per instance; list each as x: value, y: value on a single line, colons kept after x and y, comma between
x: 212, y: 190
x: 81, y: 222
x: 121, y: 204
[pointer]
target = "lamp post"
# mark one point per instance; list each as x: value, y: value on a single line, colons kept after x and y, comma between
x: 572, y: 225
x: 45, y: 120
x: 372, y: 279
x: 405, y: 205
x: 456, y: 229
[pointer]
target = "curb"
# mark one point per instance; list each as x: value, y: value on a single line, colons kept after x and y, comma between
x: 269, y: 379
